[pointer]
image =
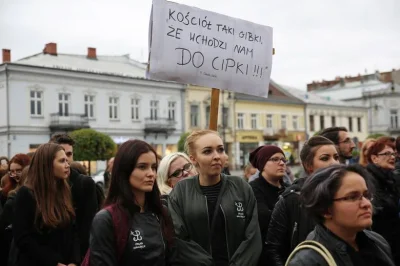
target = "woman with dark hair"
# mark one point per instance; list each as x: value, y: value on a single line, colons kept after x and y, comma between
x: 289, y: 224
x: 134, y: 197
x: 339, y: 199
x: 43, y: 225
x: 215, y: 216
x: 382, y: 159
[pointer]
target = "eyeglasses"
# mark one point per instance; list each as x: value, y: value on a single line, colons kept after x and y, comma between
x: 356, y: 197
x: 179, y: 172
x: 277, y: 160
x: 387, y: 154
x: 15, y: 172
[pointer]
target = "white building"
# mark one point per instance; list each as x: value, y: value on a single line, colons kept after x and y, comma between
x: 323, y: 112
x: 51, y: 92
x: 382, y: 99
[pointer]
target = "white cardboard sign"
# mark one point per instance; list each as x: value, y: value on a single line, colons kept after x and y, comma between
x: 194, y: 46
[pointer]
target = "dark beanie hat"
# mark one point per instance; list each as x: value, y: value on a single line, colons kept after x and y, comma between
x: 259, y: 157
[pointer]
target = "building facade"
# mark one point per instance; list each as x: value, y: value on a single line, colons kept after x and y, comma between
x: 52, y: 92
x: 278, y: 120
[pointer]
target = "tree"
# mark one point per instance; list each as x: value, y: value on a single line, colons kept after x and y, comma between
x: 181, y: 142
x: 375, y: 136
x: 91, y: 145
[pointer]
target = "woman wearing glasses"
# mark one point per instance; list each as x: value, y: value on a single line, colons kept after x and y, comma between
x: 173, y: 168
x: 214, y: 215
x: 339, y: 199
x: 289, y: 224
x: 382, y: 158
x: 271, y: 164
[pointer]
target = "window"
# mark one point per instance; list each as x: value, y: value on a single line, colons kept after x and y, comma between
x: 154, y: 110
x: 312, y: 124
x: 254, y: 121
x: 333, y: 121
x: 113, y: 107
x: 393, y: 119
x: 194, y: 115
x: 295, y: 121
x: 135, y: 109
x: 225, y: 116
x: 207, y: 116
x: 36, y: 103
x: 63, y: 104
x: 269, y: 121
x: 322, y: 122
x: 359, y: 124
x: 283, y: 121
x: 240, y: 120
x: 171, y: 111
x: 89, y: 106
x: 350, y: 124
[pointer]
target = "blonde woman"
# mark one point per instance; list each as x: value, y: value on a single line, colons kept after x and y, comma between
x: 172, y: 169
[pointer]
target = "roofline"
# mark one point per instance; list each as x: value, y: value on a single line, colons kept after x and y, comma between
x: 17, y: 65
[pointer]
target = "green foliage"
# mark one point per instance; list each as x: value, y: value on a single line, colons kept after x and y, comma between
x: 91, y: 145
x: 375, y: 136
x: 181, y: 142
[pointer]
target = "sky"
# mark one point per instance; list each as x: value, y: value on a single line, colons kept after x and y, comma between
x: 313, y: 39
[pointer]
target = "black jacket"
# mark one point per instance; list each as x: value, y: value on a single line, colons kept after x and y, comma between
x: 188, y: 209
x: 83, y: 190
x: 46, y: 247
x: 289, y: 226
x: 6, y: 219
x: 340, y: 250
x: 145, y: 245
x: 266, y: 195
x: 386, y: 220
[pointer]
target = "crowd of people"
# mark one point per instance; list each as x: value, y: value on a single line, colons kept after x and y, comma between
x: 186, y: 209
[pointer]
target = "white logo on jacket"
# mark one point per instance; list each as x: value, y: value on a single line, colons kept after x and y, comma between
x: 239, y: 210
x: 137, y: 239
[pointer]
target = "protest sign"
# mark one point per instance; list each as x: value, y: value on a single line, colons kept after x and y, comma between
x: 194, y: 46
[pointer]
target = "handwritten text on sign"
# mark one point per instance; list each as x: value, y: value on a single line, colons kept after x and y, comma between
x: 194, y: 46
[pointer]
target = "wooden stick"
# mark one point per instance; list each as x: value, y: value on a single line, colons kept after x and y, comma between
x: 214, y: 109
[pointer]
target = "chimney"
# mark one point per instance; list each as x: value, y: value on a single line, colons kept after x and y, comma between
x: 6, y: 56
x: 91, y: 53
x: 50, y: 48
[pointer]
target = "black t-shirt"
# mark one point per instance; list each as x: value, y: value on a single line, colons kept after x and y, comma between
x: 218, y: 238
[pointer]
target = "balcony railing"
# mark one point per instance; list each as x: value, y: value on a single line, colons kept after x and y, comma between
x: 159, y: 125
x: 68, y: 122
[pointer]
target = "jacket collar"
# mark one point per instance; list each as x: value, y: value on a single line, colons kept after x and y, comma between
x: 197, y: 182
x: 267, y: 184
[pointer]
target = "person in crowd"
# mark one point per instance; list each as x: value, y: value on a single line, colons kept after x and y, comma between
x: 382, y: 159
x: 83, y: 191
x: 342, y: 140
x: 5, y: 180
x: 173, y: 168
x: 107, y: 173
x: 77, y: 166
x: 226, y: 166
x: 339, y: 199
x: 271, y: 164
x: 364, y: 151
x: 43, y: 225
x: 135, y: 196
x: 17, y: 163
x: 4, y: 162
x: 249, y: 170
x: 289, y: 224
x: 16, y: 180
x: 215, y: 216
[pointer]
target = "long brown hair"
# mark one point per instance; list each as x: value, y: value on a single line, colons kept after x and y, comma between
x: 52, y: 195
x: 23, y: 160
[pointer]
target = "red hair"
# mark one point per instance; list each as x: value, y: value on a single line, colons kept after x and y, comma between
x: 21, y: 159
x: 379, y: 146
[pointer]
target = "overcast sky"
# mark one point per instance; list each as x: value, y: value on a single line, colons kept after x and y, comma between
x: 314, y: 39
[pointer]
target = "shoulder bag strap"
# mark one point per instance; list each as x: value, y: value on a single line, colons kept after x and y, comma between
x: 317, y: 247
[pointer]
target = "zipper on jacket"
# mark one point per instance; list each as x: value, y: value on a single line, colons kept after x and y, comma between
x: 226, y: 233
x: 209, y: 227
x: 294, y: 231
